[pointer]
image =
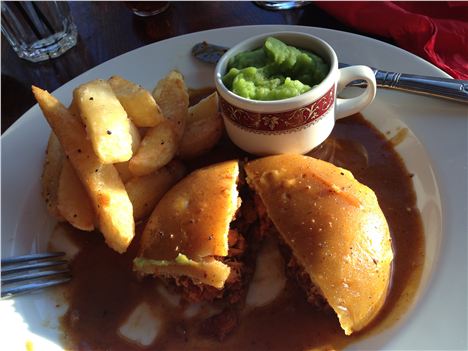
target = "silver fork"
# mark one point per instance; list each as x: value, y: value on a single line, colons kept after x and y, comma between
x: 24, y: 274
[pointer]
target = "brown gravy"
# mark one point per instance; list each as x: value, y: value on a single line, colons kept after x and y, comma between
x: 104, y: 290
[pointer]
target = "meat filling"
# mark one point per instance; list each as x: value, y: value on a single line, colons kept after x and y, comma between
x: 265, y: 225
x: 297, y: 273
x: 251, y: 219
x: 294, y: 270
x: 233, y: 288
x: 243, y: 242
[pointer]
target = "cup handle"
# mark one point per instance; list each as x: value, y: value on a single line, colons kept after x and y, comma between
x: 346, y: 107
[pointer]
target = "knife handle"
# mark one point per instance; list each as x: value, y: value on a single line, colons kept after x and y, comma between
x: 452, y: 89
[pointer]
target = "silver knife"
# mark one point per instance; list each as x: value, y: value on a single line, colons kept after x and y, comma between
x: 446, y: 88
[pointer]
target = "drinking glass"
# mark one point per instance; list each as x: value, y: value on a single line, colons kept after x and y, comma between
x: 281, y: 5
x: 38, y: 30
x: 147, y: 8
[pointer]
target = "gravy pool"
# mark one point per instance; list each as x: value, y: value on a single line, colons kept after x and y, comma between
x: 104, y: 289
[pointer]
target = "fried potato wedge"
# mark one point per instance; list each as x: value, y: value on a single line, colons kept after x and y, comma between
x: 137, y: 102
x: 105, y: 188
x: 157, y: 149
x: 50, y: 175
x: 106, y: 121
x: 204, y: 128
x: 122, y: 167
x: 172, y: 97
x: 73, y: 201
x: 74, y: 110
x: 207, y: 107
x: 200, y: 136
x: 146, y: 191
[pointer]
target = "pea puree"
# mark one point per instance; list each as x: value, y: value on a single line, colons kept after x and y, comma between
x: 273, y: 72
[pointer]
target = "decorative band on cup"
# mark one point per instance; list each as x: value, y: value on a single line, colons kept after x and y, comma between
x: 282, y: 122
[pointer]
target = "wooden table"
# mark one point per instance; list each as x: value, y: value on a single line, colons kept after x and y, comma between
x: 109, y: 29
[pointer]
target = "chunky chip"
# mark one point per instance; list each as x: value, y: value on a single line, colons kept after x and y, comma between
x: 50, y: 175
x: 137, y: 102
x: 73, y: 201
x: 200, y: 137
x: 157, y: 149
x: 122, y: 167
x: 204, y: 128
x: 172, y: 97
x: 207, y: 107
x: 107, y: 124
x: 146, y: 191
x: 102, y: 182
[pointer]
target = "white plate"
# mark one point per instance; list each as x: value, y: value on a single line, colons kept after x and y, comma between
x: 436, y: 152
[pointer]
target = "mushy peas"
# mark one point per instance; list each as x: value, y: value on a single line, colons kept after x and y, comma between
x: 273, y: 72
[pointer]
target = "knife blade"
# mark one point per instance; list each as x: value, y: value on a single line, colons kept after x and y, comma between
x: 445, y: 88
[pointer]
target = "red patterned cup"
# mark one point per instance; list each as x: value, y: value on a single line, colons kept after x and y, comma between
x: 297, y: 124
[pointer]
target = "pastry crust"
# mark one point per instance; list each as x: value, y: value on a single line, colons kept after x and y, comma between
x: 192, y: 221
x: 335, y: 229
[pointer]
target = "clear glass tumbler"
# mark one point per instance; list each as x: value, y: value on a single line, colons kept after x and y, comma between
x: 147, y: 8
x: 38, y: 30
x: 282, y: 5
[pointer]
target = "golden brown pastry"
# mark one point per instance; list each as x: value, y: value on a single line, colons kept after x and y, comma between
x: 334, y: 228
x: 187, y: 233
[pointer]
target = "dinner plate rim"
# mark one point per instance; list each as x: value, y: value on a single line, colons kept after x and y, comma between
x: 10, y: 132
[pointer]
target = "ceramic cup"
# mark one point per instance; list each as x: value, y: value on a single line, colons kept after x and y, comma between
x: 297, y: 124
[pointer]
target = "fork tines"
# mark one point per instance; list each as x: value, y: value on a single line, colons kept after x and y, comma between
x: 23, y: 274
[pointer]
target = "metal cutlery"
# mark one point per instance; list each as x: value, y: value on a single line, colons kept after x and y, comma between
x: 23, y: 274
